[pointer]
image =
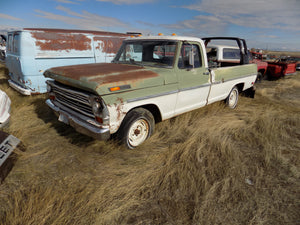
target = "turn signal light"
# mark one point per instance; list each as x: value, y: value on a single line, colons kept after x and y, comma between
x: 115, y: 89
x: 99, y: 119
x: 51, y: 96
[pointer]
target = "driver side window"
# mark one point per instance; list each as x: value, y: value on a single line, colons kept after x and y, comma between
x: 132, y: 52
x: 186, y: 52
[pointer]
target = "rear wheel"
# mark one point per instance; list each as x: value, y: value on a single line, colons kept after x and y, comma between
x: 259, y: 77
x: 233, y: 97
x: 138, y: 125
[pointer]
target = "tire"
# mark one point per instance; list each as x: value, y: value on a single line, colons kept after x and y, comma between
x: 137, y: 126
x: 259, y: 77
x: 233, y: 97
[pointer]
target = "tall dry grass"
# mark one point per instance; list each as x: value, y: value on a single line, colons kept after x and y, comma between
x: 210, y: 166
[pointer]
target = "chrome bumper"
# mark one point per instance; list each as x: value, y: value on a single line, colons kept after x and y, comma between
x: 18, y: 88
x: 79, y: 125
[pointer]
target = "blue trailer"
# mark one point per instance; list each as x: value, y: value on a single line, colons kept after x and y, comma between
x: 31, y: 51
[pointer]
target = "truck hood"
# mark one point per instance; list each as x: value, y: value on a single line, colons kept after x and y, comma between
x: 101, y: 77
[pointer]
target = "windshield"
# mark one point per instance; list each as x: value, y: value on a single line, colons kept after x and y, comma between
x: 147, y: 53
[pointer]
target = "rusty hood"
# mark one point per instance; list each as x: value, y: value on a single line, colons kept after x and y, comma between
x: 101, y: 77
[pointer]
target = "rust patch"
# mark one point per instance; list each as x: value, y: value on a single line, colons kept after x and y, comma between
x: 66, y: 31
x: 58, y: 41
x: 92, y: 69
x: 109, y: 44
x: 102, y: 73
x: 125, y: 77
x: 120, y: 109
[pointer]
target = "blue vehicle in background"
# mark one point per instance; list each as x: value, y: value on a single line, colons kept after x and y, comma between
x: 29, y: 52
x: 2, y: 47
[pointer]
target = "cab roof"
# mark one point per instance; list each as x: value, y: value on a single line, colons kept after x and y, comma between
x: 162, y: 37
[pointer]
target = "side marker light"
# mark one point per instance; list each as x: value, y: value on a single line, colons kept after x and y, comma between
x: 115, y: 89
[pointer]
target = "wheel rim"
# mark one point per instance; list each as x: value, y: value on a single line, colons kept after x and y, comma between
x: 232, y: 98
x: 138, y: 132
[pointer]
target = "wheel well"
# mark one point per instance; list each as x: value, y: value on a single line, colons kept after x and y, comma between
x: 262, y: 71
x: 154, y: 110
x: 240, y: 87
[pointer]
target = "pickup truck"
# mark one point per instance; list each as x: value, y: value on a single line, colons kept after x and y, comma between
x: 151, y: 79
x: 224, y: 55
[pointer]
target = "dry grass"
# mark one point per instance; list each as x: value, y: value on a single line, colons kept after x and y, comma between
x: 211, y: 166
x: 281, y: 53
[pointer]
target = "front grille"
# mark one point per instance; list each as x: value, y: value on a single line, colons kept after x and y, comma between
x: 72, y: 99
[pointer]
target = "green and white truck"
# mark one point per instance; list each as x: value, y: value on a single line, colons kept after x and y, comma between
x: 151, y: 79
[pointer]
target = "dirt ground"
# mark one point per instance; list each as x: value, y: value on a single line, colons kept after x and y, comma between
x: 210, y: 166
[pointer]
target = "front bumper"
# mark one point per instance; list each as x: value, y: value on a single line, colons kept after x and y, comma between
x: 79, y: 125
x: 18, y: 88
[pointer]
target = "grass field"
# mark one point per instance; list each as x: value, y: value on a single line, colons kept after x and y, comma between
x: 210, y: 166
x: 280, y: 53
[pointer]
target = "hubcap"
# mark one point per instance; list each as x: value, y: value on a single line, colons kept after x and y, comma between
x: 232, y: 98
x: 138, y: 132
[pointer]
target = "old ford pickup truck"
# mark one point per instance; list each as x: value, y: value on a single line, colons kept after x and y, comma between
x: 151, y: 79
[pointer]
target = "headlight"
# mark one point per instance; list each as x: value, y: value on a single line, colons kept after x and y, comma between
x: 100, y: 110
x: 96, y: 106
x: 48, y: 88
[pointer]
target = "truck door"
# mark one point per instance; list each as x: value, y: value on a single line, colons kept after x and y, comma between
x: 193, y: 78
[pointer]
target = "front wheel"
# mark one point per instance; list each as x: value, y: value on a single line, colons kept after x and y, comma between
x: 138, y: 125
x: 233, y: 97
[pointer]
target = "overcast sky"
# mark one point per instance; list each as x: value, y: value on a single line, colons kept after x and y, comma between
x: 272, y: 24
